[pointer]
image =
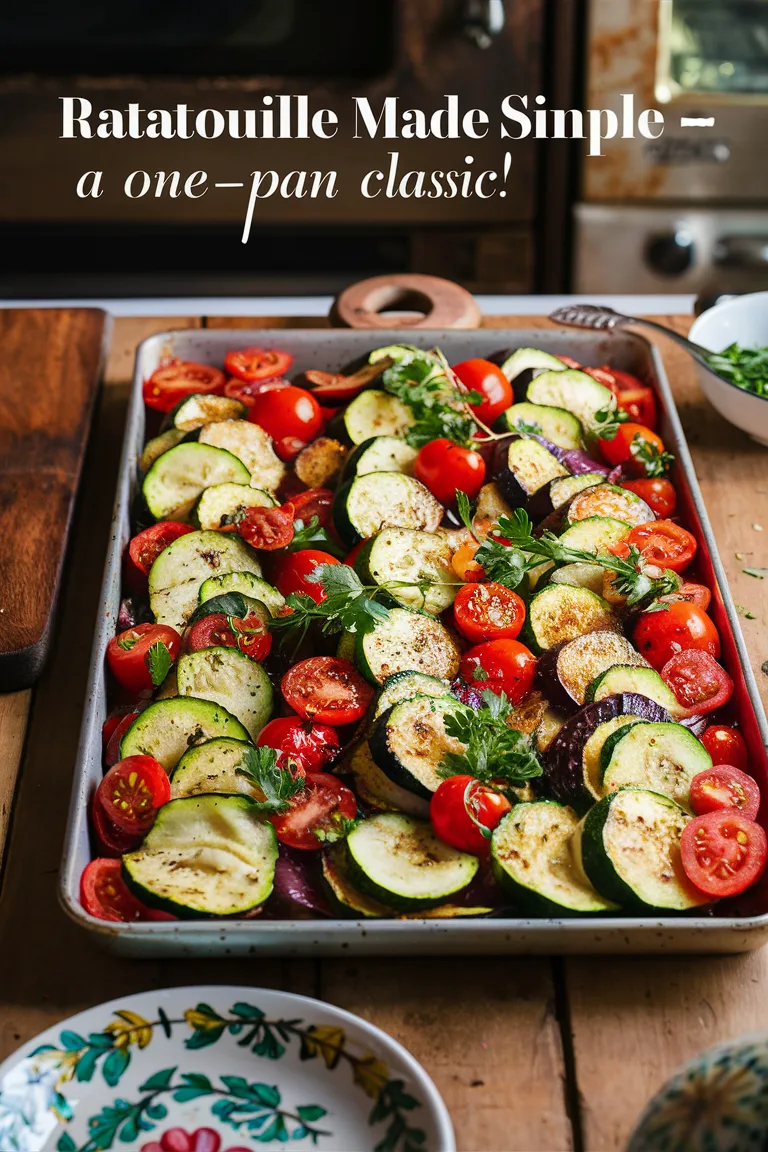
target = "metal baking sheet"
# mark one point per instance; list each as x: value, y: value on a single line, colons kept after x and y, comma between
x: 330, y: 350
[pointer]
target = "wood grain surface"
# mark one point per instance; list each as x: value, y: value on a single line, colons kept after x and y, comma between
x: 530, y: 1055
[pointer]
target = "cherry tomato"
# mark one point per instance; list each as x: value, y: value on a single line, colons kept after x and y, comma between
x: 110, y: 840
x: 488, y: 379
x: 725, y: 787
x: 571, y: 363
x: 444, y: 467
x: 327, y: 689
x: 623, y: 448
x: 698, y: 681
x: 664, y: 543
x: 250, y: 635
x: 252, y: 364
x: 320, y: 807
x: 132, y: 791
x: 246, y: 391
x: 113, y: 722
x: 112, y: 750
x: 267, y: 528
x: 626, y: 381
x: 128, y: 655
x: 697, y: 594
x: 104, y: 893
x: 312, y: 746
x: 353, y: 554
x: 464, y: 812
x: 639, y: 404
x: 658, y: 493
x: 178, y: 379
x: 464, y: 565
x: 726, y: 746
x: 488, y: 612
x: 291, y: 416
x: 313, y: 502
x: 723, y: 852
x: 145, y: 548
x: 293, y: 569
x: 681, y: 627
x: 502, y: 666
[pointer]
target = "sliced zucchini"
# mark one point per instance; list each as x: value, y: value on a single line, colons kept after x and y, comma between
x: 611, y: 501
x: 554, y: 424
x: 415, y: 567
x: 252, y: 445
x: 176, y: 480
x: 561, y: 612
x: 629, y: 846
x: 561, y: 491
x: 407, y: 642
x: 580, y: 576
x: 246, y: 582
x: 400, y: 861
x: 220, y: 504
x: 381, y: 454
x: 405, y: 685
x: 629, y: 678
x: 529, y: 468
x: 319, y: 465
x: 595, y: 534
x: 579, y: 663
x: 527, y: 359
x: 346, y: 647
x: 375, y: 789
x: 348, y: 899
x: 181, y: 568
x: 155, y: 447
x: 661, y: 757
x: 365, y: 505
x: 168, y: 728
x: 205, y: 856
x: 593, y: 748
x: 229, y: 678
x: 193, y: 412
x: 490, y: 506
x: 573, y: 390
x: 532, y: 861
x: 409, y: 742
x: 375, y: 413
x: 211, y: 767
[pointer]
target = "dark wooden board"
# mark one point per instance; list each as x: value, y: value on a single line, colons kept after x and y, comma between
x: 49, y: 373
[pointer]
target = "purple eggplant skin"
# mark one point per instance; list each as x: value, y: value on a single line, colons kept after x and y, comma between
x: 548, y: 681
x: 133, y: 610
x: 562, y: 764
x: 578, y: 463
x: 297, y: 893
x: 538, y: 503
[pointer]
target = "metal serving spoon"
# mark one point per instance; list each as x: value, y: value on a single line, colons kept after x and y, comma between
x: 602, y: 319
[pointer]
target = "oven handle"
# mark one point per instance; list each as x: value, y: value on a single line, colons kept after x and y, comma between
x: 484, y: 21
x: 741, y: 252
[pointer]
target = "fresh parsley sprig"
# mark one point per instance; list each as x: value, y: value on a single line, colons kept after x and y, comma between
x: 654, y: 461
x: 493, y: 750
x: 277, y: 784
x: 608, y: 420
x: 348, y: 606
x: 500, y: 563
x: 439, y: 409
x: 159, y: 662
x: 309, y: 534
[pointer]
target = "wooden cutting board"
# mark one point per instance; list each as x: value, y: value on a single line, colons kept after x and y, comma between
x: 50, y: 364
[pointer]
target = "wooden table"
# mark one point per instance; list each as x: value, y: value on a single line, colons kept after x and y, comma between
x: 530, y: 1054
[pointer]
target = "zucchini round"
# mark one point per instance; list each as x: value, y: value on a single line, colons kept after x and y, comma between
x: 404, y: 560
x: 211, y: 767
x: 246, y: 582
x: 409, y: 742
x: 366, y: 504
x: 407, y: 642
x: 230, y: 678
x: 563, y: 612
x: 181, y: 568
x: 168, y: 728
x: 178, y: 477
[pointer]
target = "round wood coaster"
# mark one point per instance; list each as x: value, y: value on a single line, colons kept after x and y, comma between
x: 408, y: 300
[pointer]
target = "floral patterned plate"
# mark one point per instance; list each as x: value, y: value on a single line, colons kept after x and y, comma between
x: 218, y: 1069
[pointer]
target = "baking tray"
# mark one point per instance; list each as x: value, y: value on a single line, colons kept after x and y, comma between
x: 330, y: 350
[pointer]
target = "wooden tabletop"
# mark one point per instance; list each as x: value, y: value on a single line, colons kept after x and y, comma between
x: 531, y: 1055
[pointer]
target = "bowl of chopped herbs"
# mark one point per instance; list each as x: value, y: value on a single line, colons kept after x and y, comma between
x: 736, y: 335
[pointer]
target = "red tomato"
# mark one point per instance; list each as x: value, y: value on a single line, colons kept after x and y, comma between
x: 178, y: 379
x: 664, y: 543
x: 267, y: 528
x: 326, y: 689
x: 726, y: 746
x: 625, y: 380
x: 103, y: 893
x: 290, y: 415
x: 251, y: 636
x: 293, y: 569
x: 464, y: 812
x: 112, y: 750
x: 252, y: 364
x: 320, y: 807
x: 128, y: 654
x: 113, y: 722
x: 145, y: 548
x: 679, y: 628
x: 504, y: 666
x: 639, y: 404
x: 464, y: 565
x: 444, y: 467
x: 312, y: 746
x: 488, y: 612
x: 723, y: 852
x: 725, y: 787
x: 245, y: 391
x: 313, y: 502
x: 488, y: 379
x: 697, y: 594
x: 658, y: 493
x: 110, y: 840
x: 132, y: 791
x: 352, y: 556
x: 622, y: 449
x: 698, y: 681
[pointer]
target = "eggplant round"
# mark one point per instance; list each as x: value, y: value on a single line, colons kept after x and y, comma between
x: 564, y: 672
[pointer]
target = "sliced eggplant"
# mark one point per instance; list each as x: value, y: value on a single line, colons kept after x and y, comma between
x: 319, y: 465
x: 611, y: 501
x: 565, y: 673
x: 526, y: 472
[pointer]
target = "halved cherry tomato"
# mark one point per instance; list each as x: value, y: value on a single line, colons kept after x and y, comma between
x: 464, y: 812
x: 726, y: 746
x: 658, y: 493
x: 291, y: 416
x: 623, y: 448
x: 725, y: 787
x: 664, y: 543
x: 488, y: 379
x: 292, y: 572
x: 681, y: 627
x: 313, y: 502
x: 113, y: 722
x: 723, y: 852
x: 639, y: 404
x: 697, y: 594
x: 112, y: 750
x: 327, y: 689
x: 353, y: 554
x: 104, y: 893
x: 132, y: 791
x: 246, y: 391
x: 178, y: 379
x: 464, y: 565
x: 501, y: 666
x: 267, y: 528
x: 444, y: 467
x: 128, y: 655
x: 488, y: 612
x: 253, y: 364
x: 316, y: 812
x: 311, y: 746
x: 250, y: 635
x: 698, y: 681
x: 110, y: 840
x: 146, y: 546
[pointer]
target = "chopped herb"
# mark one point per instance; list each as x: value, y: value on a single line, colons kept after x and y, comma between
x: 758, y: 573
x: 493, y: 751
x: 339, y: 830
x: 439, y: 408
x: 159, y: 662
x: 279, y: 785
x: 311, y: 535
x: 529, y: 426
x: 128, y: 640
x: 655, y: 462
x: 747, y: 368
x: 608, y: 420
x: 500, y: 563
x: 742, y: 611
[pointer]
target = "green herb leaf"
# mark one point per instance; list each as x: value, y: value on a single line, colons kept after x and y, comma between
x: 159, y: 662
x: 747, y: 368
x: 654, y: 462
x: 279, y: 785
x: 348, y: 606
x: 608, y: 420
x: 128, y: 640
x: 493, y: 751
x: 742, y: 611
x: 758, y: 573
x: 439, y: 408
x: 229, y: 604
x: 502, y: 564
x: 464, y: 509
x: 529, y: 426
x: 311, y: 535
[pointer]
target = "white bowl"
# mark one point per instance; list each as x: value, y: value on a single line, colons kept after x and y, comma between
x: 742, y: 320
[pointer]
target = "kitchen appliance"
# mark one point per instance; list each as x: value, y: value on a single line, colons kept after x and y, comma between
x: 687, y: 212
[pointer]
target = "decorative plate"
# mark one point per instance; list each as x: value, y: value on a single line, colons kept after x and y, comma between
x: 218, y: 1069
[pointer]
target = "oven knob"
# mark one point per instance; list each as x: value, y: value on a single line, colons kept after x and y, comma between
x: 670, y: 253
